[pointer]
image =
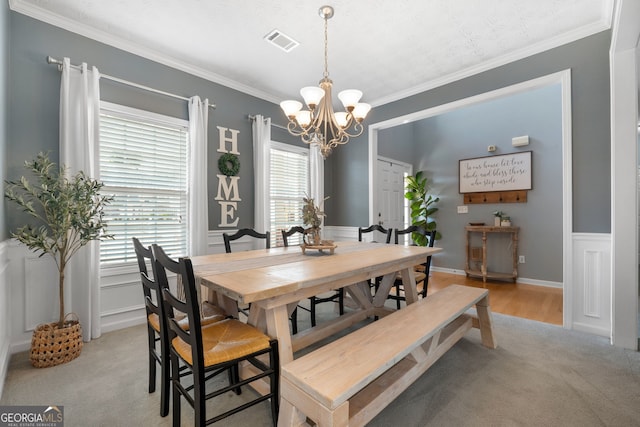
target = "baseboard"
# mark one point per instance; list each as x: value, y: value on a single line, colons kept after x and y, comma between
x: 5, y: 358
x: 590, y: 329
x: 122, y: 320
x: 522, y: 280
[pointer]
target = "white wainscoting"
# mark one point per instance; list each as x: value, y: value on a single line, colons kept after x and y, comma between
x: 29, y: 295
x: 591, y: 287
x: 26, y: 298
x: 5, y: 315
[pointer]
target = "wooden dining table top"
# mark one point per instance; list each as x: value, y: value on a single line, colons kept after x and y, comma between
x: 258, y: 275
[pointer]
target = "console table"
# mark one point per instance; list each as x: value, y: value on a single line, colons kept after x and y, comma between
x: 487, y: 231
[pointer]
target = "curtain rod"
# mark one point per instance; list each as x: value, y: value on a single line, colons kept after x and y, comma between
x: 54, y: 61
x: 250, y: 117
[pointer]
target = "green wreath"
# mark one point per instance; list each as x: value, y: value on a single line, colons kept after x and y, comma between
x: 229, y: 164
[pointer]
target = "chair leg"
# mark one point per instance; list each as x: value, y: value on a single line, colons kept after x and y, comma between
x: 398, y: 296
x: 234, y: 378
x: 152, y: 360
x: 175, y: 380
x: 165, y: 377
x: 425, y: 283
x: 341, y: 301
x: 274, y: 381
x: 199, y: 401
x: 294, y: 321
x: 313, y: 311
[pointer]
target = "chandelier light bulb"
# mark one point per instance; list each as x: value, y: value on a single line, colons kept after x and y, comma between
x: 290, y: 107
x: 361, y: 110
x: 350, y: 98
x: 342, y: 118
x: 304, y: 118
x: 312, y: 95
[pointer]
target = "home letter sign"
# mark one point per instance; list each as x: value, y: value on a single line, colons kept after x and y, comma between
x: 228, y: 195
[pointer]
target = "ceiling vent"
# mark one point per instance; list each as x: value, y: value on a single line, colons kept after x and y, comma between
x: 281, y: 40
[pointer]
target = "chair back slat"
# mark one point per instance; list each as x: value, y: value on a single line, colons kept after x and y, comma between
x: 375, y: 227
x: 288, y: 233
x: 228, y: 238
x: 173, y: 303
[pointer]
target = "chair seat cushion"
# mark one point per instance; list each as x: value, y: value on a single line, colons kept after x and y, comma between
x: 420, y: 276
x: 224, y: 341
x: 210, y: 313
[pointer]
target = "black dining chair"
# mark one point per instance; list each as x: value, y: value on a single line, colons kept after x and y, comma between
x: 210, y: 350
x: 421, y: 270
x: 373, y: 228
x: 228, y: 238
x: 335, y: 297
x: 374, y: 283
x: 156, y: 327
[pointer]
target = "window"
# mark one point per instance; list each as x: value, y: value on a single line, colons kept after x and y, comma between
x: 289, y: 184
x: 143, y: 163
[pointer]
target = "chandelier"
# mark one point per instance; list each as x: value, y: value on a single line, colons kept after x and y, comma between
x: 320, y: 124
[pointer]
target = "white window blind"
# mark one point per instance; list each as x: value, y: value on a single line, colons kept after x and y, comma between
x: 289, y: 184
x: 143, y: 163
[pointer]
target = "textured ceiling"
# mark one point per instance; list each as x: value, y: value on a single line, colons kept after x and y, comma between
x: 387, y: 49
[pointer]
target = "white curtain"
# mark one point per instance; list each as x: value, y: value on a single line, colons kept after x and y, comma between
x: 262, y: 165
x: 79, y: 138
x: 198, y: 221
x: 316, y: 176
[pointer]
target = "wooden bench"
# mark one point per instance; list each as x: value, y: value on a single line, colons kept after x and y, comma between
x: 349, y: 381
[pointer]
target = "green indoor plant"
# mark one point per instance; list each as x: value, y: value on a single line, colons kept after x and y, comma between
x: 421, y: 206
x: 312, y: 216
x: 67, y: 214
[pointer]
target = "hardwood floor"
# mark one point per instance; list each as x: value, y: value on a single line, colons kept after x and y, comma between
x: 539, y: 303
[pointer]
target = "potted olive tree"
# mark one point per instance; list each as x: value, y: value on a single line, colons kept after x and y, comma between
x: 422, y: 206
x: 67, y: 214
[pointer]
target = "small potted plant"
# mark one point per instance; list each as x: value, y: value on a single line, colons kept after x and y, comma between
x: 69, y: 213
x: 498, y: 218
x: 312, y: 217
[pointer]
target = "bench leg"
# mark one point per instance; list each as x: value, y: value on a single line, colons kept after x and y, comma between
x: 289, y: 416
x: 296, y: 406
x: 486, y: 323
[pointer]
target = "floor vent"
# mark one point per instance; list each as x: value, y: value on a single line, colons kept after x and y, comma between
x: 281, y: 40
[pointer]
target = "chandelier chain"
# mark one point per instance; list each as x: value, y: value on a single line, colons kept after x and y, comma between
x: 326, y: 47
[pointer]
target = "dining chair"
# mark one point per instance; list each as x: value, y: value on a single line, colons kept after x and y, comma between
x: 421, y: 270
x: 210, y: 350
x: 374, y: 283
x: 375, y: 227
x: 228, y: 238
x: 336, y: 296
x: 156, y: 328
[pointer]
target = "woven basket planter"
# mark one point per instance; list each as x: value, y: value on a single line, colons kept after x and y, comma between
x: 51, y: 345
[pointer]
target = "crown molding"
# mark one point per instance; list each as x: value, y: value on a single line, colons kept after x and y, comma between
x: 56, y: 20
x: 534, y: 49
x: 134, y: 48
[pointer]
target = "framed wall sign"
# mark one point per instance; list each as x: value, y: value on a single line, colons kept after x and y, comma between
x: 506, y: 172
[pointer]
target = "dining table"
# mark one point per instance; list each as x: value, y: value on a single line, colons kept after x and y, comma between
x: 273, y: 281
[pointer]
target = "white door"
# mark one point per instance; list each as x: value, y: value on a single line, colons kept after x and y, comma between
x: 390, y: 183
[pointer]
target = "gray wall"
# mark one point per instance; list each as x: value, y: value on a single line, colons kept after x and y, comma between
x: 35, y: 97
x: 438, y: 143
x: 4, y: 84
x: 399, y: 143
x: 588, y: 60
